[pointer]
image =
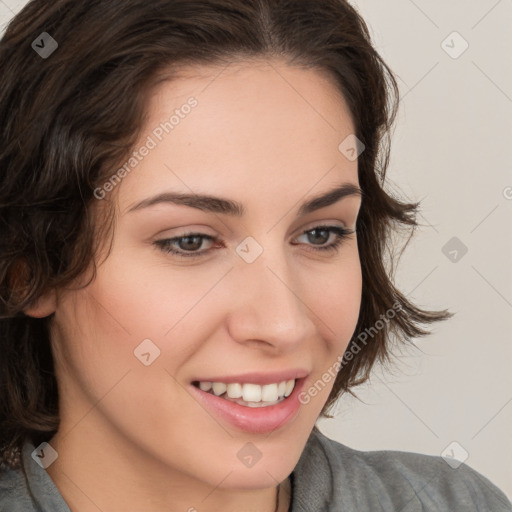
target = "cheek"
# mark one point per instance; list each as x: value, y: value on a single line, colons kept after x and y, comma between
x: 92, y: 345
x: 97, y: 365
x: 101, y: 328
x: 339, y: 300
x: 338, y: 305
x: 147, y: 296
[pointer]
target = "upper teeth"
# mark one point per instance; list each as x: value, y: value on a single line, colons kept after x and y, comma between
x: 251, y: 392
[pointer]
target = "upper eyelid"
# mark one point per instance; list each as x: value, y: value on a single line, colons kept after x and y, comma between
x: 308, y: 227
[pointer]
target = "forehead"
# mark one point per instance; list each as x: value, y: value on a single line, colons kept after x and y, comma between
x: 253, y: 126
x: 259, y: 84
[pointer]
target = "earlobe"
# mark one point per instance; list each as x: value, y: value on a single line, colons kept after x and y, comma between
x: 44, y: 306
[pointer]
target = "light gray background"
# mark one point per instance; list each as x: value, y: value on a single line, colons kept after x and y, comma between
x: 451, y: 149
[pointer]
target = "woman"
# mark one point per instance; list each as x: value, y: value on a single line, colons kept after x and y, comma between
x: 193, y: 234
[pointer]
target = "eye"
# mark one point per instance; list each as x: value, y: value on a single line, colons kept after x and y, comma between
x: 187, y: 245
x: 323, y: 233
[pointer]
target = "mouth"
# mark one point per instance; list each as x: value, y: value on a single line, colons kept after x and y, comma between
x: 253, y: 403
x: 249, y: 394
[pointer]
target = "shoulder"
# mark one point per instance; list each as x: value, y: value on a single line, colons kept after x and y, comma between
x: 14, y: 493
x: 29, y: 488
x: 395, y: 480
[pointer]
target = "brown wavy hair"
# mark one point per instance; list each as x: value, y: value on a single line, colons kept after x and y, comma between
x: 69, y: 119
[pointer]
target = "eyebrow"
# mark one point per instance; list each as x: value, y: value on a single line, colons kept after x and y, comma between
x: 229, y: 207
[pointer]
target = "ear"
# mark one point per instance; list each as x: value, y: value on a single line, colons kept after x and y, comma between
x: 44, y: 306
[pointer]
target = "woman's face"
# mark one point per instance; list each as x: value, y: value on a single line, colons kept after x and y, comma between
x: 255, y: 303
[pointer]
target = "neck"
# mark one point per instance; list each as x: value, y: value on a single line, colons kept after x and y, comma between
x: 284, y: 496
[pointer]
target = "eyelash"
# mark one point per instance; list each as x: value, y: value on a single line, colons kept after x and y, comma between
x: 165, y: 244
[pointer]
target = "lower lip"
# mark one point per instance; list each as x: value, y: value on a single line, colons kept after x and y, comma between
x: 257, y: 420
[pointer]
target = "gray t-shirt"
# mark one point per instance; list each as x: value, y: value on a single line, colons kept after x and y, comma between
x: 328, y: 477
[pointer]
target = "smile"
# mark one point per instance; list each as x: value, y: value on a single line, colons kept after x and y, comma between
x: 249, y: 394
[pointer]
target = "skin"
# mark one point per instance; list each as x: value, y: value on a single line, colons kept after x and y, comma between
x: 131, y: 436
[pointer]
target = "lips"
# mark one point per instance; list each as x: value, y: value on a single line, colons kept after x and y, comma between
x: 249, y: 419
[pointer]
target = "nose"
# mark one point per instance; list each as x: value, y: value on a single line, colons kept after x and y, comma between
x: 269, y: 305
